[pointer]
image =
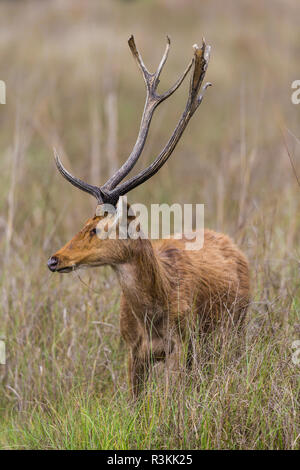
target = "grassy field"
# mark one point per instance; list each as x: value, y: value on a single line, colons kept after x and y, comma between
x: 71, y: 83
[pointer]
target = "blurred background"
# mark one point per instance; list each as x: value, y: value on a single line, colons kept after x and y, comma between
x: 71, y: 83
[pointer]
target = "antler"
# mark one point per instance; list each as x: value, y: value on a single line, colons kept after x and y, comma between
x: 113, y: 188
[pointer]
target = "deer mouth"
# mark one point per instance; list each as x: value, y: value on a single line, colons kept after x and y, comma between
x: 65, y: 270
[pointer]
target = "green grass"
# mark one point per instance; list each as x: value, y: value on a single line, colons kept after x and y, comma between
x: 241, y: 394
x: 222, y: 412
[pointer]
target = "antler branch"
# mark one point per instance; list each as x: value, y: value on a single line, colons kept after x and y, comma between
x: 152, y: 101
x: 200, y: 63
x: 113, y: 188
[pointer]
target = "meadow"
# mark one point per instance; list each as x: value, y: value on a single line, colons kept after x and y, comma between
x: 71, y: 83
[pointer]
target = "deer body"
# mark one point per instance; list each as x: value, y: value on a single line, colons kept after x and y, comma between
x: 166, y: 289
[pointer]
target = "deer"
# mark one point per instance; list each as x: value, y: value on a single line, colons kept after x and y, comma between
x: 164, y: 287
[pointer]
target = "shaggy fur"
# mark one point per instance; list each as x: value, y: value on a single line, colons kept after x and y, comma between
x: 165, y: 289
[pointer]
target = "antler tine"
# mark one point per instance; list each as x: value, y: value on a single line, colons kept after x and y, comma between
x: 200, y: 63
x: 201, y: 60
x: 163, y: 60
x: 177, y: 83
x: 152, y: 101
x: 137, y: 56
x: 88, y: 188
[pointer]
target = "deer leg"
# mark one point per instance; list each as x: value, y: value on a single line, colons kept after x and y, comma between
x: 189, y: 355
x: 138, y: 372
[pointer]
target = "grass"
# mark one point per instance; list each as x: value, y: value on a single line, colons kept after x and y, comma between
x: 231, y: 401
x: 64, y: 385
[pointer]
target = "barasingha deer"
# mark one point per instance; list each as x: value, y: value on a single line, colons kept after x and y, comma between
x: 164, y: 286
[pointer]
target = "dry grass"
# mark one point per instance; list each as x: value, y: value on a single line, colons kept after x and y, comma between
x: 64, y: 385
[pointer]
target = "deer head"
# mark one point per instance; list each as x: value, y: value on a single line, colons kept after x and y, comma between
x: 88, y: 248
x: 103, y: 240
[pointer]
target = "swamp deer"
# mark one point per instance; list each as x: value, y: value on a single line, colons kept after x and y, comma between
x: 164, y: 286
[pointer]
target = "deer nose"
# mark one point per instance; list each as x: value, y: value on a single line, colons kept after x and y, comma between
x: 52, y: 263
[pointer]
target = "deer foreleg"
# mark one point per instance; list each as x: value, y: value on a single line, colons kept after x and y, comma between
x: 138, y: 372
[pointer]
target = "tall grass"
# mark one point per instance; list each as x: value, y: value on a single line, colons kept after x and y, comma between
x: 64, y: 384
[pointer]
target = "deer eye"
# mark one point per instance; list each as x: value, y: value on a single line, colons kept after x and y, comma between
x: 93, y: 231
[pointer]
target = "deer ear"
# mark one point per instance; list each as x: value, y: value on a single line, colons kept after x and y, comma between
x: 102, y: 210
x: 130, y: 213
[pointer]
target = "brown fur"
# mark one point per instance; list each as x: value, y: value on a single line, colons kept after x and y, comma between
x: 165, y: 288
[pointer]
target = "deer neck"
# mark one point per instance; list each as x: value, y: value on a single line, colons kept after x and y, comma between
x: 142, y: 278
